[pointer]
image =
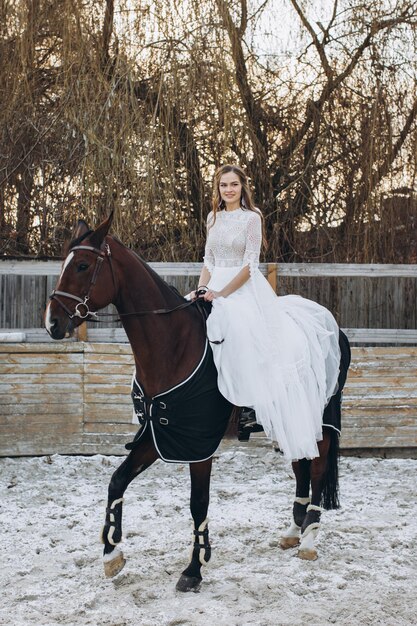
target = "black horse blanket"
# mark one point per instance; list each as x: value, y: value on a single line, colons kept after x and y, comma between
x: 187, y: 422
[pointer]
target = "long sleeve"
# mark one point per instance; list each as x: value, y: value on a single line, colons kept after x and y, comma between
x: 208, y: 259
x: 253, y: 242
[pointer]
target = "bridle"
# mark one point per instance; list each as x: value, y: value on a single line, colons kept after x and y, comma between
x: 92, y: 316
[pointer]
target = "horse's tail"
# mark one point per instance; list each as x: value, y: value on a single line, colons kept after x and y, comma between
x: 330, y: 492
x: 333, y: 417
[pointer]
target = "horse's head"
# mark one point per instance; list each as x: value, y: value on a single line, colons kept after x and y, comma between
x: 86, y: 283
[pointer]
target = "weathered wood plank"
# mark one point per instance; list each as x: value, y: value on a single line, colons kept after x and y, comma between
x: 104, y: 369
x: 107, y: 398
x: 360, y: 401
x: 116, y: 439
x: 380, y: 371
x: 390, y: 413
x: 109, y: 427
x: 102, y: 378
x: 60, y: 414
x: 381, y: 335
x: 44, y: 398
x: 116, y: 335
x: 64, y: 346
x: 45, y: 356
x: 58, y: 430
x: 59, y: 408
x: 53, y: 268
x: 37, y: 382
x: 24, y: 369
x: 116, y: 413
x: 92, y: 350
x: 24, y: 389
x: 42, y: 420
x: 371, y: 421
x: 103, y: 360
x: 379, y: 437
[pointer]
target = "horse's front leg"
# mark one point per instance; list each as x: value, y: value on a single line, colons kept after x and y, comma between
x: 135, y: 463
x: 191, y: 578
x: 291, y: 537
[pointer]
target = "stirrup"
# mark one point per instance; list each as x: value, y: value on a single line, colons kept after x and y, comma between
x: 247, y: 424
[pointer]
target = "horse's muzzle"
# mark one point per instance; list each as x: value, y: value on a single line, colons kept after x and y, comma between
x: 58, y: 325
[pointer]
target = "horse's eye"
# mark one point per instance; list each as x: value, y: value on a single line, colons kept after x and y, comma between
x: 82, y: 267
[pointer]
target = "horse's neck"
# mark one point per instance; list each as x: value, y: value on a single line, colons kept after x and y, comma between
x: 167, y: 347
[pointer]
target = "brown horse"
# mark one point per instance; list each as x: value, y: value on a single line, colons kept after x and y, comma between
x: 169, y: 344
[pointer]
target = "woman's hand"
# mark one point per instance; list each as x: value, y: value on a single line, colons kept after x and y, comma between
x: 211, y: 295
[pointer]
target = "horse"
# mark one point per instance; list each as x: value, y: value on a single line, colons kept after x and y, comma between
x: 172, y: 356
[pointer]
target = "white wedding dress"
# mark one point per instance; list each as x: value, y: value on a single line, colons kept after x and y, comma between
x: 279, y: 355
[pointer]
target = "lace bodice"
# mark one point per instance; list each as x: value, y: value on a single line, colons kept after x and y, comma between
x: 234, y: 240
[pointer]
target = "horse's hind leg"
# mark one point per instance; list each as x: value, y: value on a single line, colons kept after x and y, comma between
x: 311, y: 523
x: 191, y: 578
x: 291, y: 537
x: 135, y: 463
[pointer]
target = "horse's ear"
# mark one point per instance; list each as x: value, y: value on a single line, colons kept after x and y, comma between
x: 97, y: 237
x: 80, y: 229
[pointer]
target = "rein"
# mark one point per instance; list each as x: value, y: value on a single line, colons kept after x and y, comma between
x: 93, y: 316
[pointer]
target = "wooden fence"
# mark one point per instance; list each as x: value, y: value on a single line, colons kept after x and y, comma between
x: 368, y: 300
x: 74, y: 396
x: 75, y: 399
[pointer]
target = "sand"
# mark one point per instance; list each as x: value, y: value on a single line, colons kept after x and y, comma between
x: 53, y: 508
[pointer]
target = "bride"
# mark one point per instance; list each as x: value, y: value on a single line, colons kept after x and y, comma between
x: 277, y: 355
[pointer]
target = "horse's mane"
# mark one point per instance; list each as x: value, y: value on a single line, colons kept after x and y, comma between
x: 163, y: 285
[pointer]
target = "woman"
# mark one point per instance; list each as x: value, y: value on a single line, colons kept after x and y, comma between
x: 279, y: 355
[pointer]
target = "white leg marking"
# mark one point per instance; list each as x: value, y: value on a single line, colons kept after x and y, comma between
x: 291, y: 536
x: 309, y: 536
x: 307, y: 548
x: 113, y: 562
x: 293, y: 530
x: 112, y: 555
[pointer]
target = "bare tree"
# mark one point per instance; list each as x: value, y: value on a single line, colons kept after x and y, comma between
x: 114, y: 105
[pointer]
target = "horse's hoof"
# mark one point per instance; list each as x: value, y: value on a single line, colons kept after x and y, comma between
x: 114, y: 566
x: 289, y: 542
x: 307, y: 554
x: 188, y: 583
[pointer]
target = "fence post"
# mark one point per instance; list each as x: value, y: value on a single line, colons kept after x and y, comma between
x: 82, y: 333
x: 272, y: 275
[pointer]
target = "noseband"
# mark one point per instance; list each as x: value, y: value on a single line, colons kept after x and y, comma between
x: 85, y: 313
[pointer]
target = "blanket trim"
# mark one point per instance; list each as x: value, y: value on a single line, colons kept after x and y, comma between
x: 148, y: 419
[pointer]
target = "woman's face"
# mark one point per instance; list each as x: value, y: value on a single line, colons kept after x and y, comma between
x: 230, y: 188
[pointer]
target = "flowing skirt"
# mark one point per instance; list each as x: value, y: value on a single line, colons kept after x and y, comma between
x: 280, y: 355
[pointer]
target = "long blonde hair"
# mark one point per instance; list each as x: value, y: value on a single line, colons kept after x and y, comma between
x: 246, y: 200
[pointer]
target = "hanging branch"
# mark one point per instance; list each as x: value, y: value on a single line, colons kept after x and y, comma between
x: 254, y: 112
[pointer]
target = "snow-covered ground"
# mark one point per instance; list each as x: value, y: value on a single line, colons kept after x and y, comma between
x: 51, y: 571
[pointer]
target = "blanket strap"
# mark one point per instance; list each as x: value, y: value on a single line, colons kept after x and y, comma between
x: 149, y: 409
